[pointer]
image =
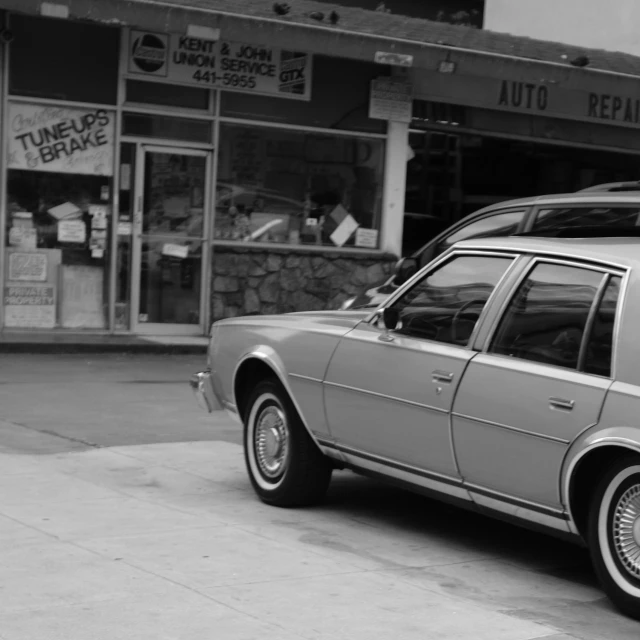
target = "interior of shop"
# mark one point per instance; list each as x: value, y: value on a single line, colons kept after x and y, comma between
x: 450, y: 176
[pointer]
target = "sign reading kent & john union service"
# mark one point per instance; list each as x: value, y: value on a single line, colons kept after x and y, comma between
x: 221, y: 65
x: 61, y: 140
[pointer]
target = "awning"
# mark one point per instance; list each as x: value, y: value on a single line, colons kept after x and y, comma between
x: 357, y: 34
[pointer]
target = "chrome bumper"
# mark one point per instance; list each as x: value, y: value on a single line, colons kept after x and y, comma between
x: 202, y: 386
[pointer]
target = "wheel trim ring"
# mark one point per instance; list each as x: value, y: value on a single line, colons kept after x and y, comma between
x: 265, y: 484
x: 606, y: 550
x: 626, y: 518
x: 271, y: 441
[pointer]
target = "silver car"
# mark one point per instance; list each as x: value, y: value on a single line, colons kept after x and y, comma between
x: 504, y: 376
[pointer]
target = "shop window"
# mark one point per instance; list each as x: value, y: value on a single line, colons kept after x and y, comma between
x: 58, y: 216
x: 167, y: 95
x: 299, y: 188
x: 57, y: 261
x: 63, y: 60
x: 167, y: 127
x: 339, y: 99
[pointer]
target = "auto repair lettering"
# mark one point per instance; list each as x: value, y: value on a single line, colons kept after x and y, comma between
x: 604, y: 106
x: 523, y: 95
x: 62, y: 139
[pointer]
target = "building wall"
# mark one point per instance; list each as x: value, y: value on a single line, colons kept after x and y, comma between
x: 587, y: 23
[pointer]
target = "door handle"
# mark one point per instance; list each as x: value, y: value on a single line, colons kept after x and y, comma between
x: 386, y: 337
x: 442, y: 376
x: 559, y: 403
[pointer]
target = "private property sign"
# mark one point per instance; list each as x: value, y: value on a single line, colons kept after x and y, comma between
x: 233, y: 66
x: 61, y: 140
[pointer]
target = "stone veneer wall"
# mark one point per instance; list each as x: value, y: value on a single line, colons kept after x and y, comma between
x: 250, y: 280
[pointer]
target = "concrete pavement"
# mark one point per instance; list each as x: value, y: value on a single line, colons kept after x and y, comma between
x: 110, y: 532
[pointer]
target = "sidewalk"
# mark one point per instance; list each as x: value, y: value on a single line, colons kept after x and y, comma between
x: 167, y: 541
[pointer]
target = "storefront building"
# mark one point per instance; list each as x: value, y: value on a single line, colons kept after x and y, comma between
x: 194, y: 165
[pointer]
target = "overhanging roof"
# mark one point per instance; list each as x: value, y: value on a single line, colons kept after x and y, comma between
x: 356, y: 34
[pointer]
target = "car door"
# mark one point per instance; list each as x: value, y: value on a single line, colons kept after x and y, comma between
x: 540, y: 381
x: 388, y: 394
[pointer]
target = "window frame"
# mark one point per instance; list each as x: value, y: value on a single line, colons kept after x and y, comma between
x: 447, y: 256
x: 607, y: 271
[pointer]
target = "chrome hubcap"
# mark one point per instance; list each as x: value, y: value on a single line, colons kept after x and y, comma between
x: 271, y: 442
x: 626, y: 530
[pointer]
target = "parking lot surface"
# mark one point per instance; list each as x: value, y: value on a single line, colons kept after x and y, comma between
x: 125, y: 512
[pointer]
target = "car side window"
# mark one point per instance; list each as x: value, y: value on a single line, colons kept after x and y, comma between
x: 599, y: 350
x: 499, y: 224
x: 552, y: 218
x: 546, y: 318
x: 445, y: 304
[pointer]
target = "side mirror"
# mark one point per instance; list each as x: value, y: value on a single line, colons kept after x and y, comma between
x: 390, y: 317
x: 405, y: 269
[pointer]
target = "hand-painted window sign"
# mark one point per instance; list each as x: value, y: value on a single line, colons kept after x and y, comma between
x: 62, y: 140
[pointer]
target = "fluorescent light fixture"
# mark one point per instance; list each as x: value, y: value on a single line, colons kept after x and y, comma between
x: 203, y: 33
x: 54, y: 10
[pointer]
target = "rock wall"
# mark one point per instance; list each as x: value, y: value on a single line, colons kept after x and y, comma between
x: 249, y: 280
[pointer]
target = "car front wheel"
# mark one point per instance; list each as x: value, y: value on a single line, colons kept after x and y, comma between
x: 285, y: 466
x: 614, y: 534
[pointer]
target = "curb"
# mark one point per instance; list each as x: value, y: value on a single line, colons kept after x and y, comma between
x: 71, y: 348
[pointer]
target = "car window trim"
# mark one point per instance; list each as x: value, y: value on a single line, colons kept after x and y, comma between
x: 570, y: 262
x: 588, y: 326
x: 446, y: 257
x: 470, y: 219
x: 542, y: 206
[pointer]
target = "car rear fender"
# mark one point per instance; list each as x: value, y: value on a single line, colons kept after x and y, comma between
x: 594, y: 439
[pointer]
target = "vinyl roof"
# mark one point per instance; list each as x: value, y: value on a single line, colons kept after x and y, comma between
x: 413, y: 30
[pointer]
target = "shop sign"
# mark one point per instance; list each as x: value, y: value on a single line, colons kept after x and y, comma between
x: 61, y: 140
x: 30, y: 306
x: 552, y: 100
x: 367, y: 238
x: 227, y: 65
x: 30, y: 267
x: 72, y: 231
x: 391, y: 99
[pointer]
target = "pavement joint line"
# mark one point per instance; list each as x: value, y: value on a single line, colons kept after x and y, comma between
x: 86, y: 443
x: 54, y: 537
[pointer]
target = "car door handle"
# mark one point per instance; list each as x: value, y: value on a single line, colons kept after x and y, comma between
x: 386, y: 337
x: 559, y: 403
x: 442, y: 376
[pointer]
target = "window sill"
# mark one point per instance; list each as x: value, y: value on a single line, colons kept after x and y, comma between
x: 275, y: 247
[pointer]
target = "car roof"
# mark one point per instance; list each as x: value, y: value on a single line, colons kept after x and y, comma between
x: 622, y: 252
x: 578, y: 198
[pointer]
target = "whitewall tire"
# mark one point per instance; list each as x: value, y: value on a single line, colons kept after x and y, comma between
x: 614, y: 534
x: 285, y: 466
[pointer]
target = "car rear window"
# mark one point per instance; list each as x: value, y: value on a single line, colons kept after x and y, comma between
x: 553, y: 218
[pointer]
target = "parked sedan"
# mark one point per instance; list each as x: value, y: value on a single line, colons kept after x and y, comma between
x: 503, y: 377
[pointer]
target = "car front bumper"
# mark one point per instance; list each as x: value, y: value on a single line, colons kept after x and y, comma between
x: 202, y: 386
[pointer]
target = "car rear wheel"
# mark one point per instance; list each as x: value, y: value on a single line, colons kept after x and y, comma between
x: 614, y: 534
x: 285, y: 466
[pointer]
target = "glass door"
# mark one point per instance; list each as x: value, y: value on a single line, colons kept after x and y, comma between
x: 170, y: 253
